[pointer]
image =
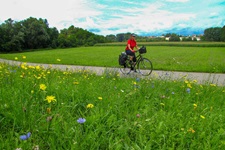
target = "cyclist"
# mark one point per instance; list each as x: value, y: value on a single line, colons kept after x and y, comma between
x: 131, y: 43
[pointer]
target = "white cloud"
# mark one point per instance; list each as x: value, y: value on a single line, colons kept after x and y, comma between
x: 115, y: 17
x: 148, y: 19
x: 54, y: 11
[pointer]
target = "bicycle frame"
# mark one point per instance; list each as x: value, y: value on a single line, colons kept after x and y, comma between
x: 138, y: 57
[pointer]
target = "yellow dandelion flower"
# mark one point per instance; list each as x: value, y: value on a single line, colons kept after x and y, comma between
x: 23, y: 66
x: 195, y: 81
x: 99, y: 98
x: 24, y: 57
x: 189, y: 85
x: 191, y: 130
x: 195, y: 105
x: 42, y: 87
x: 37, y: 67
x: 16, y: 58
x: 134, y: 83
x: 50, y: 99
x: 38, y: 77
x: 223, y: 91
x: 32, y: 91
x: 58, y: 59
x: 186, y: 81
x: 76, y: 83
x: 213, y: 85
x: 31, y: 67
x: 90, y: 106
x: 202, y: 117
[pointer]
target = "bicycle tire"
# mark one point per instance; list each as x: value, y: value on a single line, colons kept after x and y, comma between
x: 126, y: 68
x: 145, y: 66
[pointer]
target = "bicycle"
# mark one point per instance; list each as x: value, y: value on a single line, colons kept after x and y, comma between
x: 144, y: 65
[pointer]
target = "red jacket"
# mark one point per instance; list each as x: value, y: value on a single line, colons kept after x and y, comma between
x: 132, y: 44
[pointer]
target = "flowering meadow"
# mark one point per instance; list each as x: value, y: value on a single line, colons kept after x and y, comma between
x: 47, y: 109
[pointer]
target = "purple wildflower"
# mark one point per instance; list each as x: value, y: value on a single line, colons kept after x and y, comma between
x: 138, y: 79
x: 188, y: 90
x: 81, y: 120
x: 153, y: 85
x: 25, y: 137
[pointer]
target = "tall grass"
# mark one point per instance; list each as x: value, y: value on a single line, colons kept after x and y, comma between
x: 202, y: 59
x: 119, y: 113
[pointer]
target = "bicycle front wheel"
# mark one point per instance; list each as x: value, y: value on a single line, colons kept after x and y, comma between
x: 145, y: 66
x: 126, y: 68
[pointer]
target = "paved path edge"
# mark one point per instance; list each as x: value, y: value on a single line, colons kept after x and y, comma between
x: 202, y: 78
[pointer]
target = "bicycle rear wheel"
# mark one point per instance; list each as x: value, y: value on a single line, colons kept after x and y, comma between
x: 126, y: 68
x: 145, y: 66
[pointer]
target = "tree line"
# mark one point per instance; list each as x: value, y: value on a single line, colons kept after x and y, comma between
x: 33, y: 33
x: 214, y: 34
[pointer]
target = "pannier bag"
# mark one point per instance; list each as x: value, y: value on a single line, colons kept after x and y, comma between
x: 122, y: 58
x: 142, y: 50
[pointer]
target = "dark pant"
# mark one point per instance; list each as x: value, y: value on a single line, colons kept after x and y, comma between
x: 129, y: 52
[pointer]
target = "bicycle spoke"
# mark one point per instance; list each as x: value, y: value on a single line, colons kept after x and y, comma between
x: 126, y: 68
x: 145, y: 67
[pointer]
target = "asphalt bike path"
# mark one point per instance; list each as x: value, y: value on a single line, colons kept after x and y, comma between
x: 202, y: 78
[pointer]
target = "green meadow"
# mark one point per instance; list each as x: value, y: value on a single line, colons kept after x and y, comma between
x: 47, y: 109
x: 174, y: 58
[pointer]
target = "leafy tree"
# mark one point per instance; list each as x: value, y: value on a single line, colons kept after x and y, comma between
x: 174, y: 37
x: 223, y: 34
x: 120, y: 37
x: 36, y: 35
x: 187, y: 39
x: 168, y: 35
x: 111, y: 38
x: 12, y: 36
x: 53, y: 34
x: 74, y: 36
x: 212, y: 34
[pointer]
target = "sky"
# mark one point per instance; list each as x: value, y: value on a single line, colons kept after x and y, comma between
x: 105, y: 17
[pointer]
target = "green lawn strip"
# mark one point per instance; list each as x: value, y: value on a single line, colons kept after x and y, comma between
x: 197, y: 59
x: 169, y: 43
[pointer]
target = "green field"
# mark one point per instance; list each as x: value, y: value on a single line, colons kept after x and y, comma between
x: 167, y: 43
x: 41, y: 109
x: 196, y: 59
